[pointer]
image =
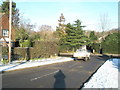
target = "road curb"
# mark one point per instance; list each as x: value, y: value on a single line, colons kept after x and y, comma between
x: 34, y: 66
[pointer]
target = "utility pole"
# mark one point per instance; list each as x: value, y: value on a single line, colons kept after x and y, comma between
x: 10, y: 22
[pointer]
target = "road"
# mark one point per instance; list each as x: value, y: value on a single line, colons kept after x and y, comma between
x: 70, y: 74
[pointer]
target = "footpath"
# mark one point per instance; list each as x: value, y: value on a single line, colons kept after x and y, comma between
x: 16, y: 65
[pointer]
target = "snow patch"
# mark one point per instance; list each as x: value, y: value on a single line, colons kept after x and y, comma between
x: 106, y: 76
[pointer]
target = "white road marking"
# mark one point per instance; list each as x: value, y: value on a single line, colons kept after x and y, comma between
x: 44, y: 75
x: 72, y: 65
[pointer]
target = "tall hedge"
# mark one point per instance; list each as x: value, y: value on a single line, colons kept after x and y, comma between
x: 20, y: 53
x: 42, y: 49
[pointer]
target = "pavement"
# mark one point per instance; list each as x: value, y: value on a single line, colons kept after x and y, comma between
x: 16, y: 65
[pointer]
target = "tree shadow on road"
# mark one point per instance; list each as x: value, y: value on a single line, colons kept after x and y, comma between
x: 59, y: 81
x: 103, y: 57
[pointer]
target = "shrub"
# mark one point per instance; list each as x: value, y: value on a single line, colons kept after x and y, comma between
x: 4, y: 61
x: 25, y: 43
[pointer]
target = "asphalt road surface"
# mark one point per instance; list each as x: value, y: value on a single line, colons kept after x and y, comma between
x: 70, y: 74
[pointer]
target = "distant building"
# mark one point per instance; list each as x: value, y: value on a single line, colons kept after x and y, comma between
x: 4, y: 30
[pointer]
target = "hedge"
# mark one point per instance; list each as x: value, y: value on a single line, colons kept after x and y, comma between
x: 44, y: 49
x: 111, y: 44
x: 41, y: 49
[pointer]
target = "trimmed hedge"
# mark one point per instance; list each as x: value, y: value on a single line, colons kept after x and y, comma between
x: 41, y: 49
x: 19, y: 53
x: 44, y: 49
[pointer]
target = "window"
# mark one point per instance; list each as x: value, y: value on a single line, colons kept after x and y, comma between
x: 5, y: 32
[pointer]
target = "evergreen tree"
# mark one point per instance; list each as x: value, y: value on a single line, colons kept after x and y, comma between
x: 75, y: 37
x: 92, y: 38
x: 78, y: 25
x: 15, y: 12
x: 5, y: 7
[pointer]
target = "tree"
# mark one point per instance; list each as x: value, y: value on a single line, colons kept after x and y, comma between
x: 61, y: 28
x: 35, y: 36
x: 93, y: 39
x: 15, y: 12
x: 78, y: 25
x: 75, y: 37
x: 104, y: 22
x: 21, y: 35
x: 46, y: 33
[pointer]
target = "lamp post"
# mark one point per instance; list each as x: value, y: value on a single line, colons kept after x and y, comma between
x: 10, y: 22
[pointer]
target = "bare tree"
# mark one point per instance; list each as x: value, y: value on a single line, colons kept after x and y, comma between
x: 104, y: 25
x: 46, y: 33
x: 45, y: 28
x: 104, y: 22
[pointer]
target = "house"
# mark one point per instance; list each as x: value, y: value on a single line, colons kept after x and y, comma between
x: 4, y: 30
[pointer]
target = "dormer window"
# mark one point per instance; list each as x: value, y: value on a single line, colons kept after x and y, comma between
x: 5, y: 32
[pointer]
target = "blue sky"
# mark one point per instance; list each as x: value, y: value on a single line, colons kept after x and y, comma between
x: 48, y: 13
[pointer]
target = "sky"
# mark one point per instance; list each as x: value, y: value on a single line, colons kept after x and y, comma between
x: 47, y: 12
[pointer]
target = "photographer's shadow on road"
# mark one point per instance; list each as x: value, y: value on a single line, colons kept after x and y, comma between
x: 59, y: 80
